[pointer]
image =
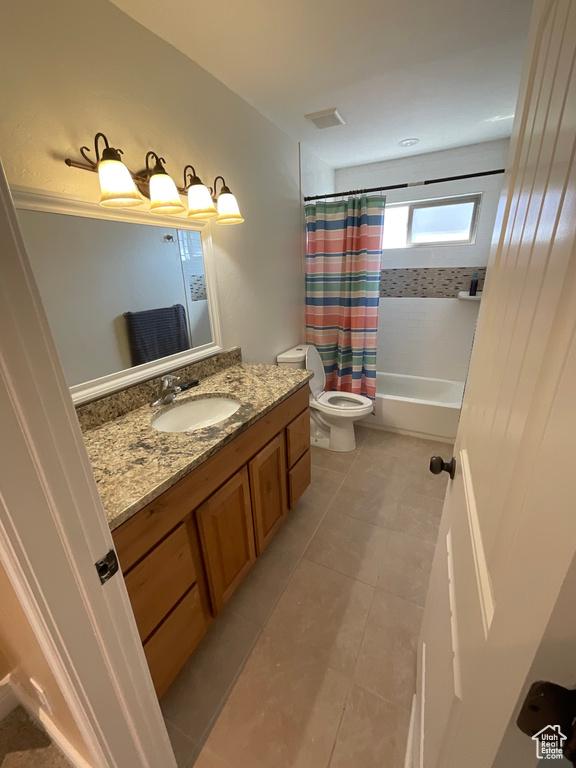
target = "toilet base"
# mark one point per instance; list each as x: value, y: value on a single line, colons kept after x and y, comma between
x: 333, y: 437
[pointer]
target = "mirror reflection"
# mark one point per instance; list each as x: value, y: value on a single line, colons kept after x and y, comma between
x: 117, y: 294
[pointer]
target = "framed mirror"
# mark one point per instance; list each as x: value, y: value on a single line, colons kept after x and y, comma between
x: 128, y: 295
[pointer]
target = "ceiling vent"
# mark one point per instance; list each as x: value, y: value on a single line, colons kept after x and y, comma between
x: 326, y: 118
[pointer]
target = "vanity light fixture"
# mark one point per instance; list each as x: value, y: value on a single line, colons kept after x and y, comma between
x: 120, y: 187
x: 228, y: 210
x: 200, y: 203
x: 164, y: 197
x: 117, y: 188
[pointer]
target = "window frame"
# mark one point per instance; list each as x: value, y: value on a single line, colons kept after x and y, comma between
x: 475, y: 198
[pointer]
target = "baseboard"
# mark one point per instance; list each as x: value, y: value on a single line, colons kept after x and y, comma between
x: 409, y: 432
x: 408, y: 760
x: 45, y: 722
x: 8, y: 699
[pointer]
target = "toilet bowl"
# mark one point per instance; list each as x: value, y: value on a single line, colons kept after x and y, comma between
x: 332, y: 414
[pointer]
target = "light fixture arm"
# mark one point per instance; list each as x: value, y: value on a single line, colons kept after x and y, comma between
x: 194, y: 178
x: 106, y: 143
x: 158, y: 166
x: 108, y: 153
x: 224, y: 188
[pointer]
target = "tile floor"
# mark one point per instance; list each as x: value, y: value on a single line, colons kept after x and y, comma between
x: 312, y: 662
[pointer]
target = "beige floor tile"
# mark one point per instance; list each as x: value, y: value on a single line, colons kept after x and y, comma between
x: 373, y: 733
x: 418, y: 516
x: 284, y: 712
x: 405, y: 570
x: 374, y: 501
x: 257, y: 595
x: 361, y: 433
x: 184, y: 748
x: 349, y: 546
x: 323, y: 487
x: 299, y: 527
x: 380, y: 466
x: 420, y: 480
x: 386, y: 662
x: 321, y: 616
x: 195, y: 697
x: 428, y: 448
x: 389, y: 443
x: 334, y: 460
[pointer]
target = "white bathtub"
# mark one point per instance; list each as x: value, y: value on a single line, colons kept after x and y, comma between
x: 416, y: 406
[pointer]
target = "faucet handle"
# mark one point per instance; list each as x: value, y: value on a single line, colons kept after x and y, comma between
x: 168, y: 380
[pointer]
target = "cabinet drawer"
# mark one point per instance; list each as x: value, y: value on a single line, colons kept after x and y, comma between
x: 175, y: 639
x: 157, y: 583
x: 143, y: 531
x: 299, y: 478
x: 298, y: 437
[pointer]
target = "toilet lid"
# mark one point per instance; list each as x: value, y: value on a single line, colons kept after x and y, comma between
x: 314, y: 363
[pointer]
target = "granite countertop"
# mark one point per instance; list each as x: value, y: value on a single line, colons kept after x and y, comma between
x: 134, y: 463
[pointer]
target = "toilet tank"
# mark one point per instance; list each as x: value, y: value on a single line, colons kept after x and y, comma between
x: 293, y: 358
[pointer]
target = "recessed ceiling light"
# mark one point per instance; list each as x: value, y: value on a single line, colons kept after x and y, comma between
x: 326, y: 118
x: 408, y: 142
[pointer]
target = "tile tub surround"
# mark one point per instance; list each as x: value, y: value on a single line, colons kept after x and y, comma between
x: 98, y: 412
x: 134, y: 463
x: 429, y: 282
x: 312, y: 662
x: 198, y: 288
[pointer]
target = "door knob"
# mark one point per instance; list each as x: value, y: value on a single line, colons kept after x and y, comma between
x: 437, y: 465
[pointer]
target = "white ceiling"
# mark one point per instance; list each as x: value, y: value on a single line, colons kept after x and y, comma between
x: 444, y: 71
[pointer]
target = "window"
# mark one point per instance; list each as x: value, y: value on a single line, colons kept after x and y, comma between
x: 431, y: 222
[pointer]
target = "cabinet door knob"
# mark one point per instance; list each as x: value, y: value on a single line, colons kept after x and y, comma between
x: 437, y: 465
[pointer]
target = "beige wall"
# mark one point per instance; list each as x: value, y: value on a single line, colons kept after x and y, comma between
x: 21, y: 655
x: 70, y: 69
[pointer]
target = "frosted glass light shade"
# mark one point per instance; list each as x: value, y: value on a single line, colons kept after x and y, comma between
x: 200, y: 203
x: 228, y: 211
x: 117, y: 189
x: 164, y: 197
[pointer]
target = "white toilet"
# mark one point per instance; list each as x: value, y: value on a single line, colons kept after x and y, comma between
x: 332, y: 414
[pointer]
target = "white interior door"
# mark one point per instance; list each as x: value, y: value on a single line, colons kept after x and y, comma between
x: 508, y: 533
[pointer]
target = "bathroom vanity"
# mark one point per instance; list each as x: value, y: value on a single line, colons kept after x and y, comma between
x: 185, y: 543
x: 190, y: 511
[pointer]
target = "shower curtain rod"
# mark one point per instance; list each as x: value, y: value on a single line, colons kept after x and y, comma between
x: 405, y: 186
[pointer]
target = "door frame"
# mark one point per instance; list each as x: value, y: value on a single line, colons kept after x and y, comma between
x: 53, y: 529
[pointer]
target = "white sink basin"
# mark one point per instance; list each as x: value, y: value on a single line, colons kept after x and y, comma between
x: 195, y: 414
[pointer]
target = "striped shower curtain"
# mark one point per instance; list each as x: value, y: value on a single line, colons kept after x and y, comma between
x: 343, y: 257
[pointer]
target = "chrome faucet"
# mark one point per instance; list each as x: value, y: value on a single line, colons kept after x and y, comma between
x: 168, y: 390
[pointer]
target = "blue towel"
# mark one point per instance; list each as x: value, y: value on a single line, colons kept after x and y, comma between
x: 157, y: 333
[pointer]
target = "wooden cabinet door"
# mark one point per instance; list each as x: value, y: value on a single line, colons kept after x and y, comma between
x: 227, y: 535
x: 268, y: 485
